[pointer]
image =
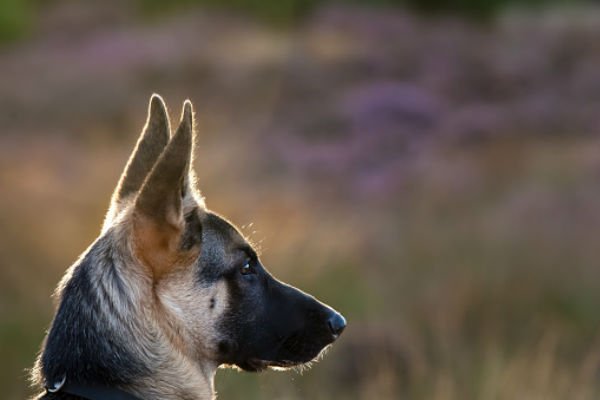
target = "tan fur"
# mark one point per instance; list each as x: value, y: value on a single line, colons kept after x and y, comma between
x: 158, y: 247
x: 170, y: 308
x: 167, y: 316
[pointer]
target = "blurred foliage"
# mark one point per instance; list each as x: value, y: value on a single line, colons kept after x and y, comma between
x: 15, y: 18
x: 470, y: 8
x: 277, y: 11
x: 285, y: 11
x: 16, y: 15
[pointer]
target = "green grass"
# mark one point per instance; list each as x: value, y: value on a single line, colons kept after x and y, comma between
x: 15, y: 19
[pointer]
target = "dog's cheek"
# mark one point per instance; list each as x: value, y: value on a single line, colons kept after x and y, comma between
x: 248, y: 323
x: 193, y: 310
x: 215, y: 306
x: 217, y: 303
x: 231, y: 322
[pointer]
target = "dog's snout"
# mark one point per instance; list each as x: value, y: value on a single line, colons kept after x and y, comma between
x: 337, y: 324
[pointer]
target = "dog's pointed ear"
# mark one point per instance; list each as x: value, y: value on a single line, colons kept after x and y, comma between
x: 150, y: 145
x: 158, y: 213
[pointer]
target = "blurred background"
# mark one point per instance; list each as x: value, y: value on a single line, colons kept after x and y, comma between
x: 429, y: 168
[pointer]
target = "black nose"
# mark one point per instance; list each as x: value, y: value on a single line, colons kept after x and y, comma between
x: 337, y: 323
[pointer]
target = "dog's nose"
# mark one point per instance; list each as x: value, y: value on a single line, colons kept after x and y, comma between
x: 337, y: 323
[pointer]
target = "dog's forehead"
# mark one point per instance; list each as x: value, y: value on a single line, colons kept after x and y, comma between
x: 218, y: 230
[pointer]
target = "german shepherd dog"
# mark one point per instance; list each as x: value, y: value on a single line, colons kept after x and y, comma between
x: 170, y: 291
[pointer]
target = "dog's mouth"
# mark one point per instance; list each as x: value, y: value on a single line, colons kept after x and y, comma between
x: 293, y: 362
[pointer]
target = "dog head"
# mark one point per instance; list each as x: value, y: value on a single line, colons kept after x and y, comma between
x: 210, y: 293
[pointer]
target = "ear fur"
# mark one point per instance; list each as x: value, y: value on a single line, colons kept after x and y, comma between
x: 150, y: 145
x: 158, y: 220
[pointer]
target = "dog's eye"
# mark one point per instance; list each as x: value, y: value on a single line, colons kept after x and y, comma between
x: 247, y: 269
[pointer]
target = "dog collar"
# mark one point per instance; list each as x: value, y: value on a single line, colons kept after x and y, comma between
x: 90, y: 392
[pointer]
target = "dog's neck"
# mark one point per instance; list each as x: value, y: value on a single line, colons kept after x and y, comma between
x: 177, y: 379
x: 175, y: 375
x: 147, y: 360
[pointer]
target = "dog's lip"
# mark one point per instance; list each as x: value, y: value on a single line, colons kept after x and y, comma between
x: 257, y: 364
x: 260, y: 364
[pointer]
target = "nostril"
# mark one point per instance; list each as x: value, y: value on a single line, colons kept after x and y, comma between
x: 337, y: 323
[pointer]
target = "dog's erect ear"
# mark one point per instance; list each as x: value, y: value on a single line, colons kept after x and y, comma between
x: 149, y: 147
x: 158, y: 214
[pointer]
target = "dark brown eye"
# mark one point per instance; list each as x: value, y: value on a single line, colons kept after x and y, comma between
x: 246, y: 269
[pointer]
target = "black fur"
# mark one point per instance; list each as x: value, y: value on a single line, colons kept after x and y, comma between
x: 192, y: 235
x: 272, y: 324
x: 268, y: 322
x: 80, y: 343
x: 59, y: 396
x: 212, y: 263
